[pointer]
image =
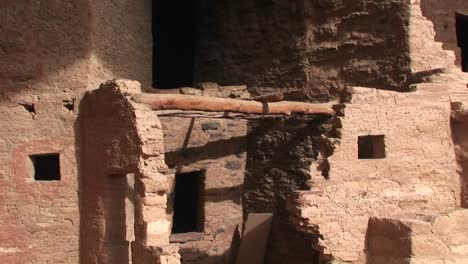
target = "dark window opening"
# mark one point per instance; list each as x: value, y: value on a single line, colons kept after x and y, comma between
x: 174, y: 40
x: 371, y: 147
x: 462, y: 38
x: 46, y: 167
x: 188, y: 203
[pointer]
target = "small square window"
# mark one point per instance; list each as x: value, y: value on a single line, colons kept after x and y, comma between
x: 371, y: 147
x: 46, y: 167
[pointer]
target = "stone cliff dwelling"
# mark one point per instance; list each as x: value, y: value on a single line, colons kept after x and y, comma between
x: 235, y: 131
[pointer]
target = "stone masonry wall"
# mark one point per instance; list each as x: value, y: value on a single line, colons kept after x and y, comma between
x: 424, y: 239
x: 418, y: 175
x: 48, y: 51
x: 124, y: 187
x: 43, y: 49
x: 217, y: 147
x: 279, y: 157
x: 426, y: 53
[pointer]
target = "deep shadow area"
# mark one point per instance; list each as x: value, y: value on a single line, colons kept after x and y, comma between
x: 316, y: 47
x: 387, y: 241
x: 462, y: 38
x: 188, y: 203
x: 211, y: 150
x: 174, y: 37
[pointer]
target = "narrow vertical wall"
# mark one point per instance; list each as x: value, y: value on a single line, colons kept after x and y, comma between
x: 459, y: 126
x: 121, y: 138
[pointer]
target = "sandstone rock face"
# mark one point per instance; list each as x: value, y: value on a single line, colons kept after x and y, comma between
x: 312, y: 46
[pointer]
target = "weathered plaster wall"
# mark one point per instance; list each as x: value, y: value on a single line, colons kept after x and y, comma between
x: 44, y: 47
x: 418, y: 175
x: 48, y: 51
x: 442, y: 14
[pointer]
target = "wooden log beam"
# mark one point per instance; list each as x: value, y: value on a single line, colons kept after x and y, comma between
x: 215, y: 104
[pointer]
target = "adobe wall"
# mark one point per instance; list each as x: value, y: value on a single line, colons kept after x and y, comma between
x: 44, y: 51
x: 419, y: 174
x: 424, y: 239
x: 124, y: 186
x: 217, y: 147
x: 48, y: 51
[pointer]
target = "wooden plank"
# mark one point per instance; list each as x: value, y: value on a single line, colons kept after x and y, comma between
x: 255, y: 238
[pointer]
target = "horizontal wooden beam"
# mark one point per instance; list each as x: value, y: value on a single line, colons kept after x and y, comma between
x: 215, y: 104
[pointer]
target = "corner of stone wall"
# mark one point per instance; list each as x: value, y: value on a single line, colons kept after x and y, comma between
x: 425, y: 52
x: 122, y: 137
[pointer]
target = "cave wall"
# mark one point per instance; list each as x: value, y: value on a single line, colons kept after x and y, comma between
x: 315, y: 47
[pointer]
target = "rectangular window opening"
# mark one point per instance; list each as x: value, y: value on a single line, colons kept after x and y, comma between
x: 371, y: 147
x: 46, y: 167
x: 462, y: 38
x: 189, y: 213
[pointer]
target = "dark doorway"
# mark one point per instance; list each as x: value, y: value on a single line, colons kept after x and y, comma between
x: 462, y: 38
x: 174, y: 37
x: 188, y: 203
